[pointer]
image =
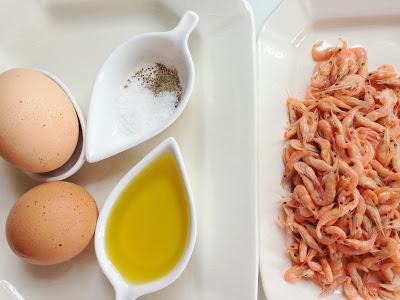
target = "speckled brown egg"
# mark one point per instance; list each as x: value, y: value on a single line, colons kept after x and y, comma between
x: 51, y: 223
x: 39, y: 127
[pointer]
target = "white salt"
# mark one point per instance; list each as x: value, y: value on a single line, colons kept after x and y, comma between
x: 141, y: 112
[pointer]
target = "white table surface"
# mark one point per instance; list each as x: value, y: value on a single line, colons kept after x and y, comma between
x: 262, y: 9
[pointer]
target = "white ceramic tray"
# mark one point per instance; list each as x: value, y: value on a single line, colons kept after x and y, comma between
x: 285, y: 66
x: 72, y: 38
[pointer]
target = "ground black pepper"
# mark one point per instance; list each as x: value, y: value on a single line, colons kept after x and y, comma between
x: 159, y: 78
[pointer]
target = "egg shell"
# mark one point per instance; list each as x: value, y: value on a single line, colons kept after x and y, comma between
x: 39, y: 128
x: 51, y: 223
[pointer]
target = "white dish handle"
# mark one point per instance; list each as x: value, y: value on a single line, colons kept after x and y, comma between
x: 185, y: 26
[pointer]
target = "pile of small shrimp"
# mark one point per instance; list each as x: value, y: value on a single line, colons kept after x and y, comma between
x: 342, y: 165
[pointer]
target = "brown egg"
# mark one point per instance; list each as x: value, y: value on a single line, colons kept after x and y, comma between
x: 51, y: 223
x: 39, y: 127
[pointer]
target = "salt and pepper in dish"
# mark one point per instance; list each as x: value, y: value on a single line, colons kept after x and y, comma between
x: 169, y: 49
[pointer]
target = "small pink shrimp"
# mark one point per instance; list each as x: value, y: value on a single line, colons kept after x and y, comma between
x: 352, y: 269
x: 385, y: 149
x: 396, y: 157
x: 308, y: 126
x: 369, y: 153
x: 337, y: 102
x: 328, y: 290
x: 388, y: 197
x: 385, y: 75
x: 349, y: 290
x: 302, y: 251
x: 358, y: 216
x: 324, y: 127
x: 362, y: 245
x: 291, y: 130
x: 336, y: 231
x: 371, y: 287
x: 383, y: 72
x: 333, y: 214
x: 367, y: 224
x: 340, y: 135
x: 297, y: 179
x: 346, y: 170
x: 329, y: 193
x: 348, y: 119
x: 354, y: 152
x: 301, y: 194
x: 393, y: 122
x: 295, y: 273
x: 373, y: 214
x: 335, y: 260
x: 389, y: 251
x: 325, y: 147
x: 385, y: 209
x: 287, y: 151
x: 321, y: 55
x: 325, y: 68
x: 324, y: 209
x: 328, y: 107
x: 305, y: 213
x: 319, y: 81
x: 362, y: 59
x: 387, y: 270
x: 350, y: 85
x: 317, y: 164
x: 382, y: 171
x: 308, y: 239
x: 348, y: 251
x: 282, y: 219
x: 370, y: 197
x: 336, y: 213
x: 316, y: 267
x: 297, y: 105
x: 393, y: 82
x: 354, y: 102
x: 392, y: 176
x: 291, y: 104
x: 326, y: 268
x: 312, y: 93
x: 369, y: 135
x: 391, y: 287
x: 310, y: 180
x: 289, y: 167
x: 293, y: 252
x: 298, y: 145
x: 363, y: 121
x: 289, y: 215
x: 347, y: 63
x: 388, y: 99
x: 367, y: 182
x: 369, y: 96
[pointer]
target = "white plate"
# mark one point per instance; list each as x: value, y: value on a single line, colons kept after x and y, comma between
x: 285, y: 66
x: 72, y: 38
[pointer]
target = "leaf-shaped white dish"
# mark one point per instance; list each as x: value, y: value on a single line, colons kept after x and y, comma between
x: 125, y: 290
x: 104, y: 137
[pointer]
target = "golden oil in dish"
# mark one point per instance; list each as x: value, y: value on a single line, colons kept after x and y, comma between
x: 148, y: 227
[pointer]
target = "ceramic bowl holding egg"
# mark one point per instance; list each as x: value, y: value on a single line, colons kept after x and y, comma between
x: 42, y: 128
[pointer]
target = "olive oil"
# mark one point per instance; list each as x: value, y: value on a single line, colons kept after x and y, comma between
x: 148, y: 227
